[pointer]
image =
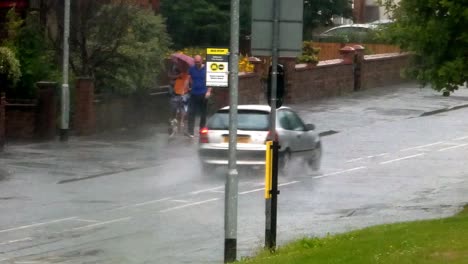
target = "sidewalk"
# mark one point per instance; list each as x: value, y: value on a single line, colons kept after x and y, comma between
x: 123, y: 150
x: 381, y: 104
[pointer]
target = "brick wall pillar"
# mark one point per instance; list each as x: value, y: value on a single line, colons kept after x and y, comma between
x: 85, y: 114
x: 46, y: 124
x: 2, y: 121
x: 359, y: 58
x: 289, y: 65
x: 347, y: 54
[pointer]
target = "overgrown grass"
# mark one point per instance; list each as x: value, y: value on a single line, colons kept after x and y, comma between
x: 434, y: 241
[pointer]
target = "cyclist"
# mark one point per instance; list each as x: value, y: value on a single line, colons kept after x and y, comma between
x: 179, y: 102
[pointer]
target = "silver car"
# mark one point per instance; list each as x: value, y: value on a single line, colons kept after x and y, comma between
x: 296, y: 139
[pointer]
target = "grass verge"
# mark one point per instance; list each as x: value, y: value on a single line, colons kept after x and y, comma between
x: 433, y: 241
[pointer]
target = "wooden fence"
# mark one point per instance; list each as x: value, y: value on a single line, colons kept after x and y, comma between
x: 330, y: 51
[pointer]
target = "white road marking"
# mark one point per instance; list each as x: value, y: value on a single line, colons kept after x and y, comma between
x: 140, y: 204
x: 207, y: 190
x: 102, y: 223
x: 339, y: 172
x: 288, y: 183
x: 188, y: 205
x: 4, y: 259
x: 428, y: 145
x: 38, y: 224
x: 261, y: 189
x: 381, y: 154
x: 87, y: 220
x: 357, y: 159
x: 151, y: 202
x: 461, y: 138
x: 367, y: 157
x: 457, y: 146
x: 217, y: 191
x: 180, y: 201
x: 16, y: 241
x: 251, y: 191
x: 403, y: 158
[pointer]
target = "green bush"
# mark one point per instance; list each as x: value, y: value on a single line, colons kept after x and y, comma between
x: 36, y: 57
x: 309, y: 53
x: 9, y: 69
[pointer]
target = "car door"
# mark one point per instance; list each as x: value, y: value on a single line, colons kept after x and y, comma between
x: 293, y: 130
x: 305, y: 139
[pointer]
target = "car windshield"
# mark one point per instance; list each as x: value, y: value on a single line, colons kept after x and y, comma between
x: 247, y: 120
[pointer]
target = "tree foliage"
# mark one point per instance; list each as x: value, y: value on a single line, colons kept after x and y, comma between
x: 204, y: 22
x: 436, y: 32
x: 119, y: 44
x: 34, y: 53
x: 197, y: 22
x: 9, y: 68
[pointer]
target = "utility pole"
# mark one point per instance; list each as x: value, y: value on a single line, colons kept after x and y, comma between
x: 65, y: 91
x: 271, y: 204
x: 232, y: 180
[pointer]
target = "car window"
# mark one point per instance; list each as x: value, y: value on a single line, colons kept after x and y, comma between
x: 295, y: 121
x: 246, y: 120
x: 284, y: 120
x: 338, y: 31
x: 347, y: 30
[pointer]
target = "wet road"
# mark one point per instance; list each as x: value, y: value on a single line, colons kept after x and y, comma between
x: 151, y: 205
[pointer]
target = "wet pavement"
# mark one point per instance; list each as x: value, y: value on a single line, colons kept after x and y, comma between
x: 390, y: 155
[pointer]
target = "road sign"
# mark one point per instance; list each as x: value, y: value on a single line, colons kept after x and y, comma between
x: 290, y: 27
x: 217, y: 67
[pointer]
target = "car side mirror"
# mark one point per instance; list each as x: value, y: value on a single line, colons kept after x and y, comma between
x: 310, y: 127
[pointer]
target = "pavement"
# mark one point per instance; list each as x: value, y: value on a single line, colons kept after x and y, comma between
x: 382, y: 104
x: 126, y: 150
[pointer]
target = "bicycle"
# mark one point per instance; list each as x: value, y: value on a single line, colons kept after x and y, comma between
x: 179, y: 105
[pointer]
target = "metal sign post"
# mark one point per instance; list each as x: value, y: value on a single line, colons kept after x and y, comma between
x: 276, y: 32
x: 290, y: 27
x: 271, y: 204
x: 232, y: 180
x: 65, y: 92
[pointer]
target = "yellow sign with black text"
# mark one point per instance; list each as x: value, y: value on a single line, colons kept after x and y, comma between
x: 217, y: 51
x: 217, y: 67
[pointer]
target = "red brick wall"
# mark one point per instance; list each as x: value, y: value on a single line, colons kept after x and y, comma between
x: 20, y: 120
x: 324, y: 80
x: 46, y: 123
x: 131, y: 111
x: 383, y: 69
x: 250, y: 92
x: 2, y: 120
x: 85, y: 114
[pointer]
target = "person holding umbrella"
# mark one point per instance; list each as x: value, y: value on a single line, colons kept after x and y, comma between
x: 180, y: 87
x: 199, y: 95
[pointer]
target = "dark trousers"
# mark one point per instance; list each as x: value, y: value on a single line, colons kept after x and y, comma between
x: 197, y: 104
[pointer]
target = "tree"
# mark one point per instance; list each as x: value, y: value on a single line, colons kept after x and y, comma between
x: 197, y: 22
x: 119, y: 44
x: 321, y: 12
x: 34, y: 53
x: 9, y: 69
x: 435, y: 32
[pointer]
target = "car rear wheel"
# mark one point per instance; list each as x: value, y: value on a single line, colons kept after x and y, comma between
x: 207, y: 169
x: 284, y: 161
x: 314, y: 160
